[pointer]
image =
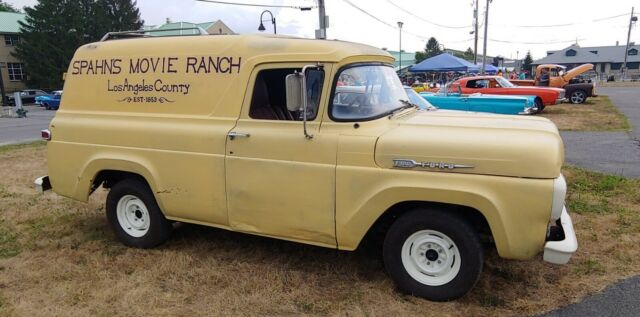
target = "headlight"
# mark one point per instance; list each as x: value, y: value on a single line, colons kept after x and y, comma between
x: 559, y: 195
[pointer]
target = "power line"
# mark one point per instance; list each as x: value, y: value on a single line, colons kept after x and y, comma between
x: 425, y: 20
x: 563, y: 24
x: 259, y: 5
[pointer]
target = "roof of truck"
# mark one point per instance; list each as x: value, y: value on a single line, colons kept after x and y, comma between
x: 272, y: 47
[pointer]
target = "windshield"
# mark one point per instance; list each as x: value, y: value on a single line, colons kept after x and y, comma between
x: 367, y: 92
x: 416, y: 99
x: 504, y: 83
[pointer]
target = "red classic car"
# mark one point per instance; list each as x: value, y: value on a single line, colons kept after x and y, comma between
x: 496, y: 85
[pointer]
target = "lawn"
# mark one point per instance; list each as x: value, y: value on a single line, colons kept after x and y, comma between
x: 59, y: 257
x: 596, y: 114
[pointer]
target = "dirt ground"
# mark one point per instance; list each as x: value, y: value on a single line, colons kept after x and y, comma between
x: 596, y: 114
x: 58, y: 257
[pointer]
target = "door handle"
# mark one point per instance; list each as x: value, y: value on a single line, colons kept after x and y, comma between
x: 233, y: 134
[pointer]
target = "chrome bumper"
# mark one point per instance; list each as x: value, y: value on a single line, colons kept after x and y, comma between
x: 559, y: 252
x: 559, y: 100
x: 42, y: 184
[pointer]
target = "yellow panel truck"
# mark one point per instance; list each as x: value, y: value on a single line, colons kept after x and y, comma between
x: 312, y: 141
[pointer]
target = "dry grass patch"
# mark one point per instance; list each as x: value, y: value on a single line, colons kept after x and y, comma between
x: 58, y: 257
x: 596, y: 114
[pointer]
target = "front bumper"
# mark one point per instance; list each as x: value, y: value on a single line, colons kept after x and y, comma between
x: 559, y: 252
x: 559, y: 101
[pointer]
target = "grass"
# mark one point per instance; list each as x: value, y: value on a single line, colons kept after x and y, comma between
x: 596, y: 114
x: 59, y: 258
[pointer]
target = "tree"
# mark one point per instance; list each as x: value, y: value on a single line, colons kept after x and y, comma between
x: 526, y: 63
x: 7, y: 7
x: 54, y: 29
x: 468, y: 54
x: 431, y: 49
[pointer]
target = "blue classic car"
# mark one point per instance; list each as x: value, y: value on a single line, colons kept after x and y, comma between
x: 50, y: 102
x: 502, y: 104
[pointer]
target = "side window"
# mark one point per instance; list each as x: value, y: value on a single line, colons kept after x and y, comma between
x: 471, y: 84
x: 268, y: 101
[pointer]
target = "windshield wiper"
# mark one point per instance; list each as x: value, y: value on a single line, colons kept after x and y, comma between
x: 405, y: 105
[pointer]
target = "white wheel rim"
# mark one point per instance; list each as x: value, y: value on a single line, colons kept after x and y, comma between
x: 133, y: 216
x: 431, y: 257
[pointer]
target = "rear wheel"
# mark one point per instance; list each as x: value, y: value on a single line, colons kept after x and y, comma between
x: 134, y: 215
x: 46, y: 106
x: 578, y: 96
x: 433, y: 254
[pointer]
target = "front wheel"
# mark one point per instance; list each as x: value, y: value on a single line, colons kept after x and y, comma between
x: 578, y: 96
x: 134, y: 215
x: 539, y: 105
x: 433, y: 254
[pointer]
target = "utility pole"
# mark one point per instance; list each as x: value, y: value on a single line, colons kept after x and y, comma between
x: 2, y: 92
x: 626, y: 49
x: 475, y: 31
x: 486, y: 26
x: 400, y: 48
x: 321, y: 33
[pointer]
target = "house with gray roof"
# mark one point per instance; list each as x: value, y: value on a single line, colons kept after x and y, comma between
x: 213, y: 27
x: 607, y: 60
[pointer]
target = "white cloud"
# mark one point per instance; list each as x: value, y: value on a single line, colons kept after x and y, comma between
x: 347, y: 23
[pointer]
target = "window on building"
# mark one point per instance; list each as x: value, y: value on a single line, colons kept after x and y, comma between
x: 11, y: 40
x: 616, y: 66
x: 15, y: 71
x: 633, y: 65
x: 633, y: 51
x: 571, y: 52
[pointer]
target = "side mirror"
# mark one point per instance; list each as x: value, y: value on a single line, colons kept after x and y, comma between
x: 295, y: 91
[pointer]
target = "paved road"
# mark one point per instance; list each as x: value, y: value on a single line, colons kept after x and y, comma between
x: 22, y: 130
x: 620, y: 300
x: 610, y: 152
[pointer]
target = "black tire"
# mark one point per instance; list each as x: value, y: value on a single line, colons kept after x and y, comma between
x: 46, y: 107
x: 159, y: 228
x: 458, y: 230
x: 539, y: 105
x: 578, y: 96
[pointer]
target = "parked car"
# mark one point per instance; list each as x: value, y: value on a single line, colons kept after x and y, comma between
x: 241, y: 136
x: 50, y: 102
x: 577, y: 89
x: 477, y: 102
x: 497, y: 85
x: 28, y: 96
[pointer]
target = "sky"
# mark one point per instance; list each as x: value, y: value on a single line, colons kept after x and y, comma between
x: 515, y: 26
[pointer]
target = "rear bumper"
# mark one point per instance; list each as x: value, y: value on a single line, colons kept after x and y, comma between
x: 42, y: 183
x: 559, y: 252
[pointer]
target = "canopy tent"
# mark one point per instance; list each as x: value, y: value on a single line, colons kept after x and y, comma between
x: 488, y: 68
x: 444, y: 62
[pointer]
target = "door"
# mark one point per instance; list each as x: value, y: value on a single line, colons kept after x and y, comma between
x: 279, y: 182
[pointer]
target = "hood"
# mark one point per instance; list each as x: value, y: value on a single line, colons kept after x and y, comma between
x: 577, y: 71
x: 478, y: 143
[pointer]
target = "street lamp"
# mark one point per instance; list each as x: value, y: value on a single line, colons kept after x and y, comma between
x: 400, y: 49
x: 273, y: 21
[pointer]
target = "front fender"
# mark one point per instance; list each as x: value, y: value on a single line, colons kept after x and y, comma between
x: 517, y: 209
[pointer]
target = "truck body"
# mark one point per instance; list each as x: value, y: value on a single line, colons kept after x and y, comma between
x: 576, y: 92
x: 200, y: 129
